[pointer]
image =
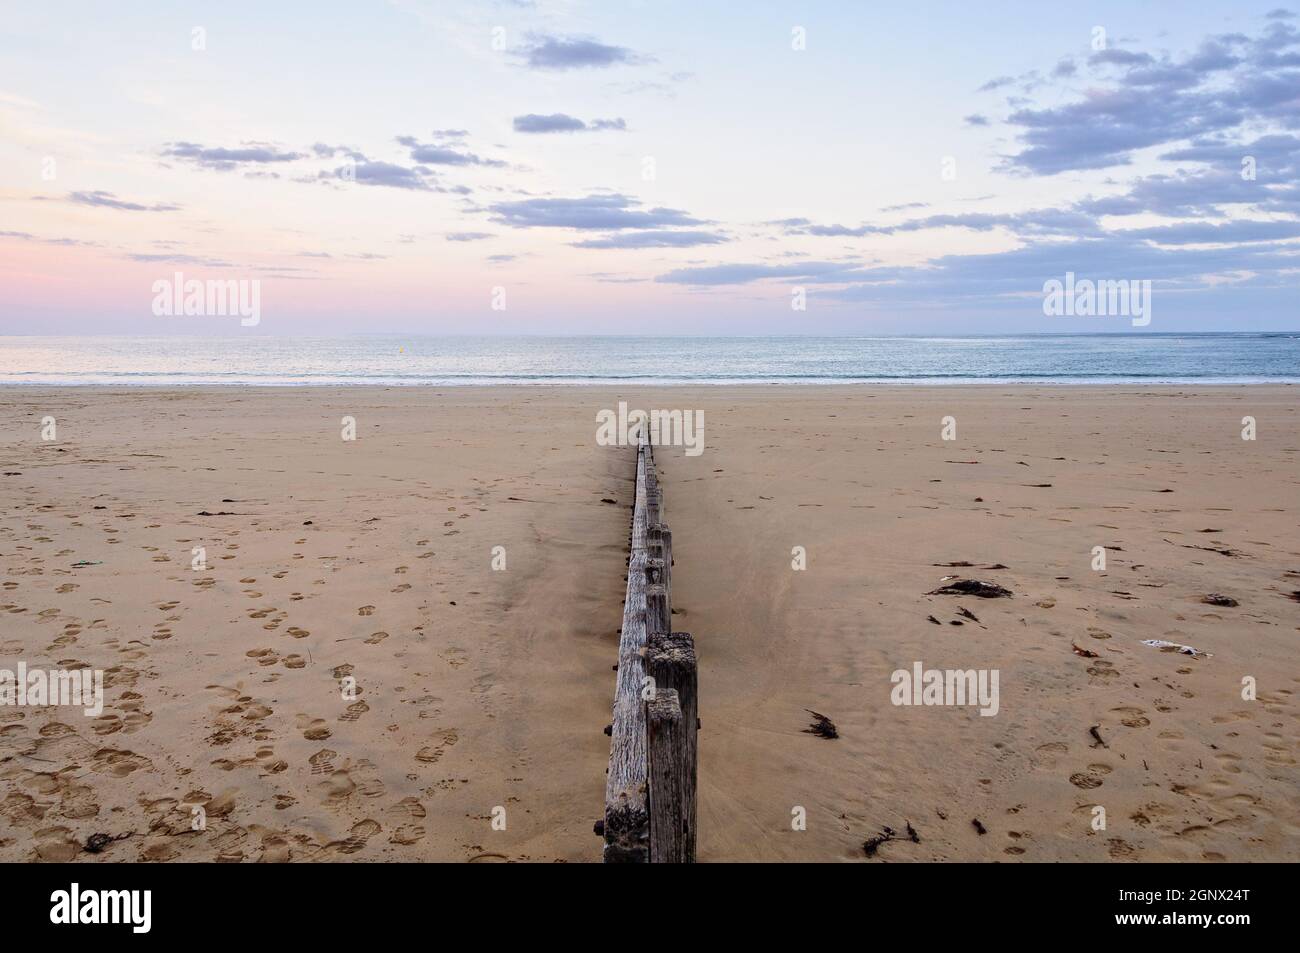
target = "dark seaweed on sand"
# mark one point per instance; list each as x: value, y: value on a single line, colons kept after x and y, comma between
x: 822, y: 727
x: 972, y: 587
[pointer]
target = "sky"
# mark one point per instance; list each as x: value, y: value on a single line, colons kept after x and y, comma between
x: 569, y: 167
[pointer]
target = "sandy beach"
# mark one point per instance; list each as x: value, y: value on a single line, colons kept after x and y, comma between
x: 479, y: 689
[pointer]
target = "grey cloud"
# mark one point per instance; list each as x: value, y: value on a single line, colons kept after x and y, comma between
x: 975, y: 119
x: 735, y: 274
x: 100, y: 199
x: 654, y: 239
x: 1205, y: 233
x: 442, y: 154
x: 607, y: 212
x: 1227, y: 82
x: 548, y: 52
x: 224, y: 160
x: 467, y: 236
x: 560, y: 122
x: 179, y: 259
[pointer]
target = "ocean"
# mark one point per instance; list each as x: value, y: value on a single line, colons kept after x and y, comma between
x: 1132, y: 358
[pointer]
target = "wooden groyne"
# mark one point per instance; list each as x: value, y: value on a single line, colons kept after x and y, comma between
x: 650, y: 792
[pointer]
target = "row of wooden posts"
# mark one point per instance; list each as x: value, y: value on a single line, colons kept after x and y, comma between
x: 650, y: 791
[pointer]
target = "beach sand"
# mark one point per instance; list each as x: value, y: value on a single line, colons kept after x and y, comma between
x: 483, y: 693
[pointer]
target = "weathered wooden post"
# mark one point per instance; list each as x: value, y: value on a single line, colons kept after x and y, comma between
x: 627, y: 809
x: 667, y: 739
x: 658, y: 614
x: 659, y: 544
x: 671, y: 662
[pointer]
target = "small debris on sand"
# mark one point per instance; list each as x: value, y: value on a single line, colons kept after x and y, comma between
x: 1085, y: 653
x: 1095, y: 731
x: 822, y: 726
x: 979, y: 828
x: 872, y: 844
x: 963, y: 611
x: 1175, y: 647
x: 972, y: 587
x: 1214, y: 599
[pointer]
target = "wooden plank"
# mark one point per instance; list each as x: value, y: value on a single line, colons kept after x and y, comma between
x: 627, y: 817
x: 671, y: 662
x: 667, y: 740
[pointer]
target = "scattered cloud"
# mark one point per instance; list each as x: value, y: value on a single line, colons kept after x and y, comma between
x: 560, y: 122
x: 653, y: 239
x: 444, y: 153
x: 612, y: 212
x: 553, y: 52
x: 1229, y: 82
x: 100, y: 199
x: 225, y: 160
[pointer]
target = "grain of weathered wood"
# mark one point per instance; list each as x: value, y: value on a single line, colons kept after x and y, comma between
x: 658, y: 617
x: 627, y: 817
x: 667, y: 733
x: 671, y: 662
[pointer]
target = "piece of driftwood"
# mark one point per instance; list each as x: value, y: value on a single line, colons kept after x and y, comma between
x: 667, y: 741
x: 627, y: 812
x: 671, y: 662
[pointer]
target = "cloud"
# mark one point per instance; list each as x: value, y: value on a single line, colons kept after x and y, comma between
x: 736, y: 274
x: 1228, y: 82
x: 100, y: 199
x: 1205, y: 233
x: 179, y: 259
x: 1034, y: 221
x: 975, y: 119
x: 551, y: 52
x: 386, y: 174
x: 225, y: 160
x: 654, y: 239
x: 467, y: 236
x: 559, y: 122
x: 436, y: 153
x: 607, y: 212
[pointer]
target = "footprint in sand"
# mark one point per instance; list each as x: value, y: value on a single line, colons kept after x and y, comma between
x: 355, y: 711
x: 376, y: 638
x: 1045, y: 756
x: 366, y: 610
x: 118, y: 763
x: 298, y: 633
x: 432, y: 754
x: 322, y: 762
x: 1103, y: 670
x: 356, y: 840
x: 1132, y: 717
x: 1091, y: 778
x: 313, y: 729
